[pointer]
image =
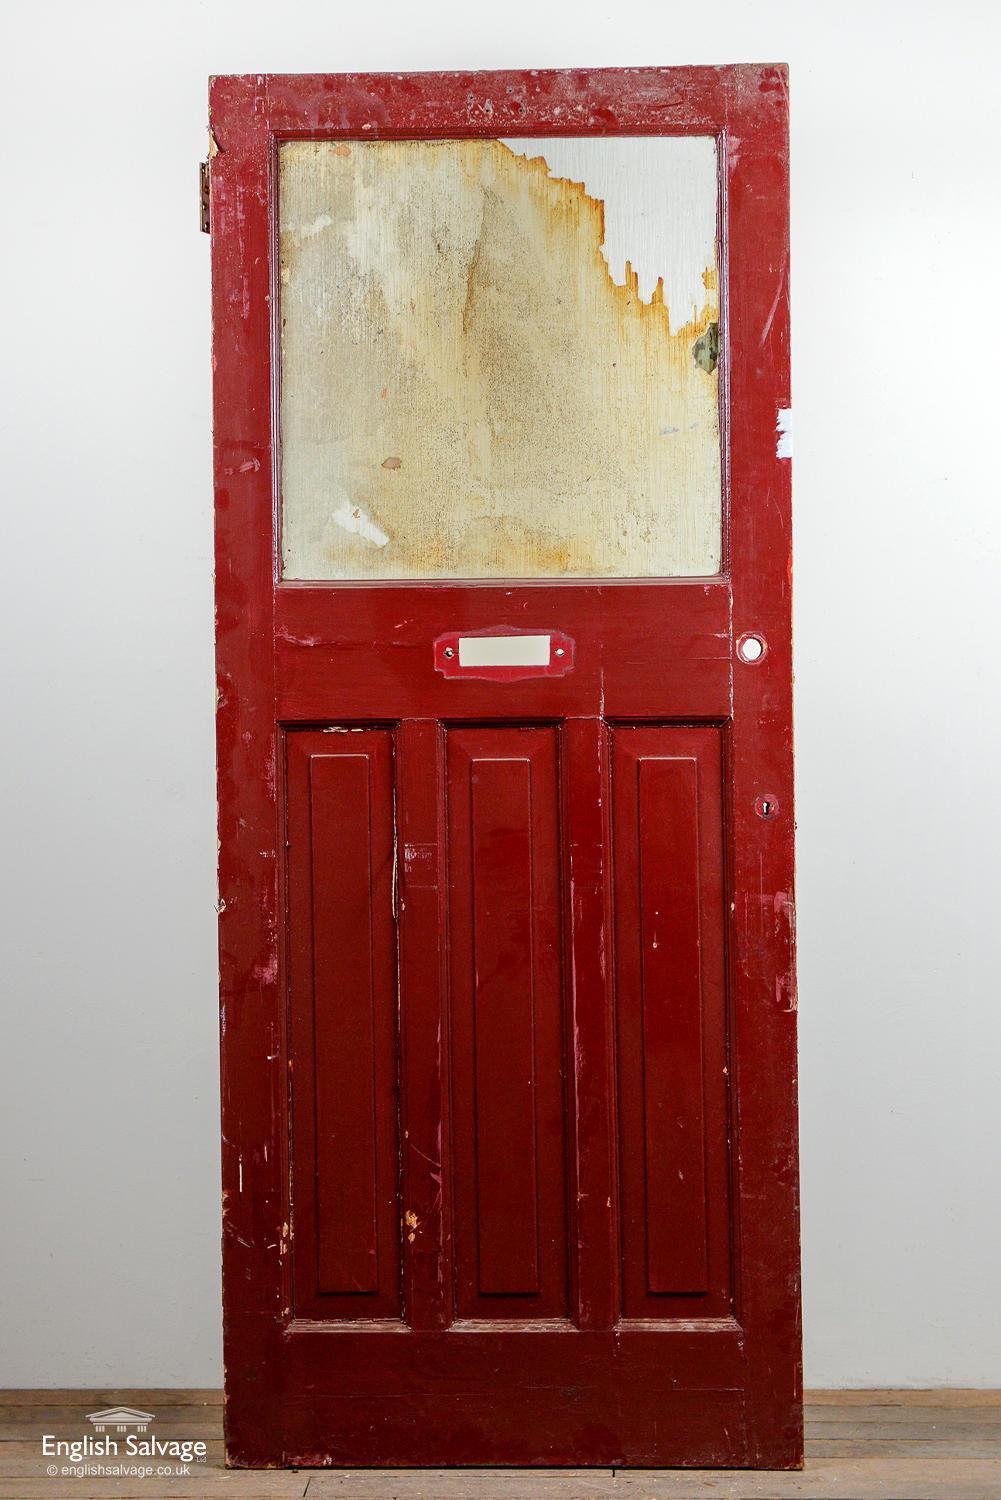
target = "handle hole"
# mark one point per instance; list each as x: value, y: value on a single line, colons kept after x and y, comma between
x: 751, y: 648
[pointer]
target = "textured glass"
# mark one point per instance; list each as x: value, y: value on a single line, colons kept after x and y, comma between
x: 499, y: 359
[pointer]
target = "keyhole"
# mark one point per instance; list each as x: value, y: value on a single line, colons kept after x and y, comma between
x: 766, y: 806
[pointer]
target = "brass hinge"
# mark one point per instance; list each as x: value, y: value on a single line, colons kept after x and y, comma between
x: 204, y: 197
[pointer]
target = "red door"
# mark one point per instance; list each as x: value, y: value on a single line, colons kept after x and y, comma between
x: 505, y: 777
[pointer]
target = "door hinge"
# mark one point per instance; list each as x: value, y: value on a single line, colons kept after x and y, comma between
x: 204, y: 197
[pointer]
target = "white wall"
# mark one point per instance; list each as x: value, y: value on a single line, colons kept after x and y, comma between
x: 109, y: 1251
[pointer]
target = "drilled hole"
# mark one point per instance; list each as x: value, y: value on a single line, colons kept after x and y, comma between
x: 751, y: 648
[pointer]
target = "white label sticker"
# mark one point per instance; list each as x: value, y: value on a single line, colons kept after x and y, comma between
x: 504, y: 650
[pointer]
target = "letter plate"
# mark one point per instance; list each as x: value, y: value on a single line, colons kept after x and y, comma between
x: 504, y: 655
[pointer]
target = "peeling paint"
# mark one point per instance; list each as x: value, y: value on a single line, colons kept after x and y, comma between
x: 783, y: 427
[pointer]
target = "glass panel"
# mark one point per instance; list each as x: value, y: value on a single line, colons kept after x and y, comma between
x: 499, y: 358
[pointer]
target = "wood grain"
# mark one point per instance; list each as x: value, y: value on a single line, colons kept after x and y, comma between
x: 944, y: 1397
x: 890, y: 1479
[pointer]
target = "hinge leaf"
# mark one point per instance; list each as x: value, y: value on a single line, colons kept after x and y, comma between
x: 204, y: 197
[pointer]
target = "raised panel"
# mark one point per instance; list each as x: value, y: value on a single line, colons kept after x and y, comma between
x: 671, y: 1020
x: 507, y: 1052
x: 343, y: 1020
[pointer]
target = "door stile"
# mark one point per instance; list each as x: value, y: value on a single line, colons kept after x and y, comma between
x: 421, y: 886
x: 594, y: 1241
x: 254, y: 1058
x: 763, y: 1004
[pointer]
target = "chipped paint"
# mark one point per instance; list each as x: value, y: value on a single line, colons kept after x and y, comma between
x: 783, y: 427
x: 352, y: 518
x: 468, y: 391
x: 266, y: 971
x: 705, y: 350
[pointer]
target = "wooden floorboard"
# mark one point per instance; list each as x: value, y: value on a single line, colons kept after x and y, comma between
x: 906, y: 1416
x: 95, y: 1397
x: 951, y: 1396
x: 861, y: 1445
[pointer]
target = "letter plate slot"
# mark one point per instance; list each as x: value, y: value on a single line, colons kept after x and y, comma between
x: 504, y: 655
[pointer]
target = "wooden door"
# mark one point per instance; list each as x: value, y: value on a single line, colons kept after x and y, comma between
x: 505, y: 778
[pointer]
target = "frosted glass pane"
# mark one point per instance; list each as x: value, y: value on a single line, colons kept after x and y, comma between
x: 499, y: 358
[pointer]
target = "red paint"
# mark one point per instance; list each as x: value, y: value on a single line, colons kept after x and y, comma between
x: 342, y: 988
x: 507, y: 1045
x: 674, y: 1165
x: 459, y: 1082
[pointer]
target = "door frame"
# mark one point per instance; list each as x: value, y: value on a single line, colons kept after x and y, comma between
x: 263, y: 682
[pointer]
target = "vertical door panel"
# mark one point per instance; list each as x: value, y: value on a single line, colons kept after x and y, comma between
x: 508, y: 1155
x: 343, y: 1020
x: 671, y: 1021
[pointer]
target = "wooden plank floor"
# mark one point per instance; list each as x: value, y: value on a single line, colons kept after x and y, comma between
x: 861, y: 1445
